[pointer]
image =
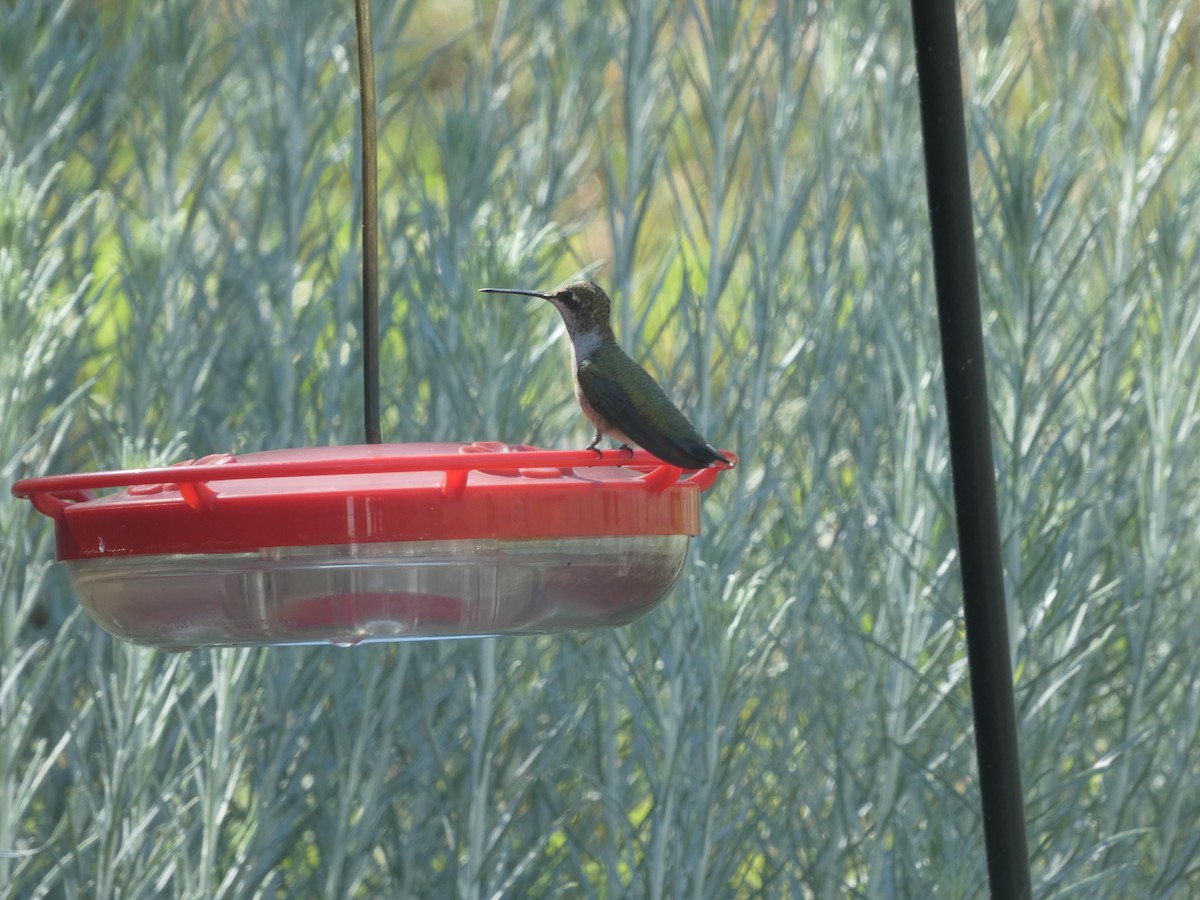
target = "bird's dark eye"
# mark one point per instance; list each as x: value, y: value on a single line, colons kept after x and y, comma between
x: 567, y: 298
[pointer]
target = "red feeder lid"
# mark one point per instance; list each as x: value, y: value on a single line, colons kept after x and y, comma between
x: 367, y: 494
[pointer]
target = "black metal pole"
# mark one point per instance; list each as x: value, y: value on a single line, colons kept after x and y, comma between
x: 935, y: 34
x: 370, y: 222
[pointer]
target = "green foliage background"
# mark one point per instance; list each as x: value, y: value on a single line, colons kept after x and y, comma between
x: 178, y: 276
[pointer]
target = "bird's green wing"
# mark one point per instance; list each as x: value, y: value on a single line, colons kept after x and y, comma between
x: 649, y: 418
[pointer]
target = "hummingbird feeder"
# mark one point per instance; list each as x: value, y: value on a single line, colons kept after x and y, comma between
x: 372, y: 542
x: 377, y: 541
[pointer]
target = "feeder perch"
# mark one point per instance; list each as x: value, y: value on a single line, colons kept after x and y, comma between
x: 372, y: 542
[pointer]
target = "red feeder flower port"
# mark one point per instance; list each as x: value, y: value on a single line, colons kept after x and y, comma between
x: 372, y: 542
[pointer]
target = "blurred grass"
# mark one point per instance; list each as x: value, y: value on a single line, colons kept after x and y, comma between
x: 178, y: 275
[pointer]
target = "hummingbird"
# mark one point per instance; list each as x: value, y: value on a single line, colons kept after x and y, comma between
x: 616, y: 394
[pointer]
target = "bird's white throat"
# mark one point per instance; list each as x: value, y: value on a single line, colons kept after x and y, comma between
x: 583, y: 346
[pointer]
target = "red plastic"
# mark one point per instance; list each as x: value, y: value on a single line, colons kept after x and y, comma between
x: 367, y: 494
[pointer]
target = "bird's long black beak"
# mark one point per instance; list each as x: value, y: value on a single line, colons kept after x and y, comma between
x: 543, y: 294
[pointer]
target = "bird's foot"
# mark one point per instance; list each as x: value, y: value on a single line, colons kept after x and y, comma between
x: 592, y: 446
x: 627, y: 449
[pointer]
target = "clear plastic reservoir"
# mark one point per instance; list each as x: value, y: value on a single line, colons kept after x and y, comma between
x: 380, y: 591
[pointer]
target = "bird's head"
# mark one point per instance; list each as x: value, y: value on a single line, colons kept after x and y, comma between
x: 584, y: 306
